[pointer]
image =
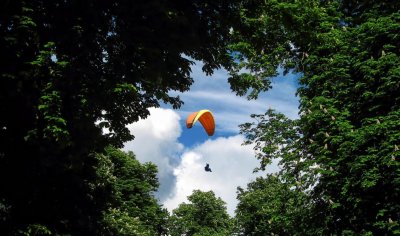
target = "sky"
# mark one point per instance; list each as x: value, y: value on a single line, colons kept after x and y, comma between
x: 181, y: 154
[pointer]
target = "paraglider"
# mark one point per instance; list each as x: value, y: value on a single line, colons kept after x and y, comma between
x: 207, y: 168
x: 206, y: 119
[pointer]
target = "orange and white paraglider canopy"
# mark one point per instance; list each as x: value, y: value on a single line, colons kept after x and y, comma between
x: 206, y: 119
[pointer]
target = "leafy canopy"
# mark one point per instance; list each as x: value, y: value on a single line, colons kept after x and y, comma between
x: 69, y: 70
x: 205, y: 214
x: 345, y: 145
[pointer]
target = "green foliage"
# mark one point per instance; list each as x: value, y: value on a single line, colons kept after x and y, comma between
x: 273, y: 34
x: 205, y: 214
x: 270, y: 206
x: 35, y: 230
x: 280, y: 203
x: 274, y: 136
x: 347, y: 140
x: 121, y: 223
x: 69, y: 69
x: 50, y: 109
x: 131, y: 208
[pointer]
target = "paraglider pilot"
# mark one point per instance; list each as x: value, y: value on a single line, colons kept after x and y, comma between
x: 207, y: 168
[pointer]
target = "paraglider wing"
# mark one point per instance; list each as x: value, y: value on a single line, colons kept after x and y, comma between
x: 206, y: 119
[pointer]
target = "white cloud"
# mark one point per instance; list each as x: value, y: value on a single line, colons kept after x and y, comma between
x: 156, y: 141
x: 232, y: 165
x: 182, y: 170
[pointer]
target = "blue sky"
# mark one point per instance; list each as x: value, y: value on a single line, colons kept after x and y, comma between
x: 213, y: 93
x: 181, y: 153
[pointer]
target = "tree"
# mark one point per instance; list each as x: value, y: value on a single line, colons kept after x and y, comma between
x: 269, y: 206
x: 279, y: 203
x: 205, y: 214
x: 348, y: 54
x: 68, y: 70
x: 131, y: 207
